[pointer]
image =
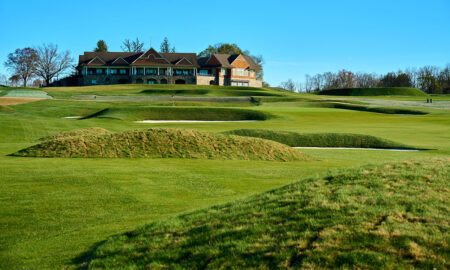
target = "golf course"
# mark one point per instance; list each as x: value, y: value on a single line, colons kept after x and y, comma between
x: 206, y: 177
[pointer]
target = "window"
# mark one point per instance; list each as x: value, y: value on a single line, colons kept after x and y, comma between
x: 99, y: 71
x: 151, y: 71
x: 223, y: 71
x: 113, y: 71
x: 123, y: 71
x: 203, y: 72
x: 252, y: 74
x: 94, y: 82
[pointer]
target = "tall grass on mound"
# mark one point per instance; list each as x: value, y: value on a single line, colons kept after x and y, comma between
x: 384, y: 217
x: 295, y: 139
x: 77, y: 132
x: 133, y: 113
x: 163, y: 143
x: 355, y: 107
x: 379, y: 91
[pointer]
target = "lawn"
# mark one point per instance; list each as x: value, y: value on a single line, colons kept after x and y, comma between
x: 55, y: 210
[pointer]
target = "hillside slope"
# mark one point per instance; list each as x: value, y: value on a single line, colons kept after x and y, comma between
x: 319, y: 139
x: 388, y: 216
x: 163, y: 143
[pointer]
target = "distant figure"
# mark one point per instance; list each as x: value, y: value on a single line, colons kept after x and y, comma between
x: 428, y: 101
x: 431, y: 100
x: 95, y: 97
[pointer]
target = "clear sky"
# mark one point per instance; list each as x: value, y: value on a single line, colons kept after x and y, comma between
x: 295, y: 37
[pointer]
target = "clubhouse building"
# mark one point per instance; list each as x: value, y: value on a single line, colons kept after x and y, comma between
x: 152, y: 67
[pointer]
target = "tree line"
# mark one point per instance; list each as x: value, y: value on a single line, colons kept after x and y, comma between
x: 46, y: 63
x: 431, y: 79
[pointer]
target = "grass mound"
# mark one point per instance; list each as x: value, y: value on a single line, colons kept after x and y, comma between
x: 163, y: 143
x: 375, y: 217
x: 134, y: 113
x: 356, y: 107
x: 210, y: 92
x: 320, y: 139
x: 75, y: 133
x: 379, y: 91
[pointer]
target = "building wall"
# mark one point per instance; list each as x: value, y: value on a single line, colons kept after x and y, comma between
x: 205, y: 80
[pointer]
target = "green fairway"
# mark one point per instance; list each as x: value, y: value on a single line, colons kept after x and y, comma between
x: 376, y: 91
x: 394, y: 215
x: 56, y: 210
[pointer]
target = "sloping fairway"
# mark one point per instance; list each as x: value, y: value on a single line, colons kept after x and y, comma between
x: 77, y: 132
x: 320, y: 139
x: 390, y: 216
x: 363, y: 108
x: 135, y: 113
x: 163, y: 143
x: 212, y: 92
x: 378, y: 91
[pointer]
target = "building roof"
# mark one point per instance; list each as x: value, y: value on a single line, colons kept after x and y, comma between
x: 154, y: 58
x: 226, y: 60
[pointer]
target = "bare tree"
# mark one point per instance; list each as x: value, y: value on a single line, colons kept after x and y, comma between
x: 23, y: 63
x: 288, y: 85
x: 51, y: 63
x: 165, y: 46
x: 3, y: 80
x: 132, y: 46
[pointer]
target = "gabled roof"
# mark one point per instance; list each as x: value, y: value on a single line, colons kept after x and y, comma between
x: 226, y: 61
x: 96, y: 61
x: 120, y: 62
x: 151, y: 57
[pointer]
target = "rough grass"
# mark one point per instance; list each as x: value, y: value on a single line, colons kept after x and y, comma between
x: 134, y: 113
x: 163, y: 143
x: 383, y: 217
x: 356, y: 107
x: 77, y: 132
x: 295, y: 139
x: 380, y: 91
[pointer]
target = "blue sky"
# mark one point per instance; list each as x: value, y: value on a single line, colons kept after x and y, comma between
x: 295, y: 37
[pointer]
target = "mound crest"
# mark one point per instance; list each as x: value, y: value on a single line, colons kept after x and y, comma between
x: 378, y: 91
x: 163, y: 143
x: 320, y: 139
x: 77, y: 132
x: 375, y: 217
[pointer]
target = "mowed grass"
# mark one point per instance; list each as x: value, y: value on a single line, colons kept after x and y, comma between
x: 390, y: 216
x: 142, y: 89
x: 135, y: 113
x: 54, y: 210
x: 161, y: 143
x: 295, y: 139
x: 376, y: 91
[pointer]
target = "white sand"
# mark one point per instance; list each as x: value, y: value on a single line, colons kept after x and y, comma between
x: 72, y: 117
x: 189, y: 121
x: 351, y: 148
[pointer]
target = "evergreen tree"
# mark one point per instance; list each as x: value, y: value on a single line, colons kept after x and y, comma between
x: 101, y: 46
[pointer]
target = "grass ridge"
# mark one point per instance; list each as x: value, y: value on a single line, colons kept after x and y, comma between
x: 295, y: 139
x: 162, y: 143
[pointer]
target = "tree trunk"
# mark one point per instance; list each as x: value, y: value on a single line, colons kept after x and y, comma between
x: 47, y: 82
x: 25, y: 82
